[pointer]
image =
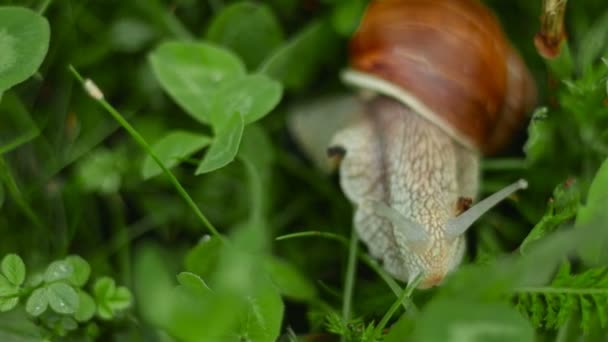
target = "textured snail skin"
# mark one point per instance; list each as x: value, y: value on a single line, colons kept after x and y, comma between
x: 448, y: 86
x: 453, y: 56
x: 422, y: 177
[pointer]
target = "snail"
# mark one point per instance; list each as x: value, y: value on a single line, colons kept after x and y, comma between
x: 440, y: 87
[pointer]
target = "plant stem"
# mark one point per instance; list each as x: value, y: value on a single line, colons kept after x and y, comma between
x: 142, y: 142
x: 349, y: 281
x: 406, y: 293
x: 13, y: 189
x: 43, y: 6
x: 408, y: 305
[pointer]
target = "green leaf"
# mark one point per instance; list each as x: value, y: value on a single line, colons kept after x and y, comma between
x: 104, y: 288
x: 225, y: 145
x: 102, y: 170
x: 540, y: 136
x: 86, y: 307
x: 58, y: 270
x: 37, y: 302
x: 7, y: 289
x: 8, y: 303
x: 404, y: 327
x: 249, y: 29
x: 346, y: 16
x: 190, y: 73
x: 593, y: 216
x: 81, y: 272
x: 290, y: 281
x: 24, y: 41
x: 14, y: 269
x: 251, y: 96
x: 172, y: 149
x: 193, y: 282
x: 593, y: 43
x: 62, y: 298
x: 122, y: 299
x: 262, y: 320
x: 561, y: 208
x: 296, y: 63
x: 203, y: 258
x: 455, y: 320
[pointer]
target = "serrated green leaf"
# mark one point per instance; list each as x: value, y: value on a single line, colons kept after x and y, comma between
x: 225, y: 145
x: 86, y: 307
x: 190, y: 73
x: 81, y: 270
x: 561, y: 208
x: 24, y: 41
x: 38, y: 302
x: 8, y: 303
x: 14, y: 269
x: 7, y: 289
x: 62, y: 298
x: 58, y: 270
x: 290, y: 281
x: 172, y: 149
x: 540, y: 136
x: 249, y: 29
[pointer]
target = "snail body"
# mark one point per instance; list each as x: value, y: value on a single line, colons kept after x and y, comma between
x: 443, y: 87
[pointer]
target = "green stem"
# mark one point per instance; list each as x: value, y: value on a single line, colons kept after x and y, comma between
x: 17, y: 196
x: 142, y: 142
x: 408, y: 305
x: 406, y: 293
x: 349, y: 281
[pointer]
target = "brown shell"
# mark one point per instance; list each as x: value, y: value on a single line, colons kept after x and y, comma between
x: 453, y: 56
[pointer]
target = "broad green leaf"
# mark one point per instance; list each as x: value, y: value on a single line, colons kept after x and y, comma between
x: 251, y: 96
x: 204, y: 257
x: 58, y: 270
x: 262, y: 320
x: 296, y: 62
x: 86, y: 307
x: 172, y: 149
x: 24, y: 41
x: 102, y: 170
x: 14, y: 269
x: 193, y: 282
x: 456, y: 320
x: 561, y: 208
x: 346, y: 16
x: 37, y: 302
x: 540, y: 136
x: 7, y: 288
x: 593, y: 215
x: 62, y: 297
x: 81, y: 272
x: 190, y: 73
x: 8, y: 303
x: 249, y: 29
x: 225, y: 145
x: 290, y: 281
x: 594, y: 43
x: 398, y: 331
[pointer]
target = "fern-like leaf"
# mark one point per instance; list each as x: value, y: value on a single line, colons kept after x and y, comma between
x: 551, y: 306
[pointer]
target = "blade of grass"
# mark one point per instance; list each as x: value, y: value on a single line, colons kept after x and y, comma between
x: 98, y: 97
x: 17, y: 196
x: 349, y: 281
x: 408, y: 304
x: 406, y: 293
